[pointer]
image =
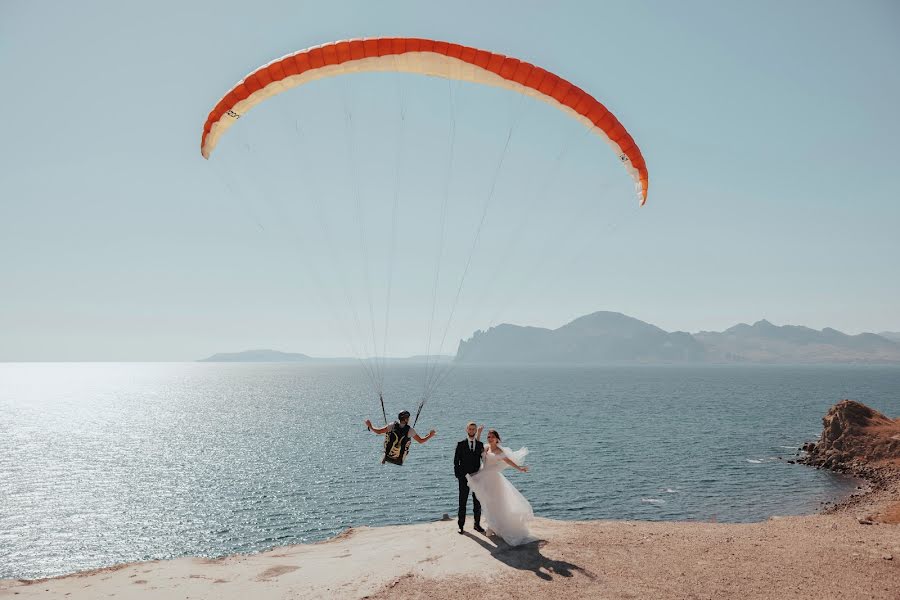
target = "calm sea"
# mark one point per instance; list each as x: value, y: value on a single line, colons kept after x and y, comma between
x: 109, y: 463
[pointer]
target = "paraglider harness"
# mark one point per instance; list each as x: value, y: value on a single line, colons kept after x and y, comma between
x: 398, y: 440
x: 396, y: 444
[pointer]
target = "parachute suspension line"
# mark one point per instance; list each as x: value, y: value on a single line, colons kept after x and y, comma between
x: 348, y: 294
x: 229, y: 182
x: 418, y: 412
x: 362, y: 234
x: 226, y: 176
x: 393, y: 245
x: 484, y: 211
x: 564, y: 233
x: 331, y: 304
x: 320, y: 287
x: 524, y: 287
x: 296, y: 240
x: 383, y: 413
x: 570, y: 240
x: 541, y: 191
x: 437, y: 271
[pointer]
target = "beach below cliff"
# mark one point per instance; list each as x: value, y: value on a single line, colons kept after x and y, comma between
x: 851, y: 550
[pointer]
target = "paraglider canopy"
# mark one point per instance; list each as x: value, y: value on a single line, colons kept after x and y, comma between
x: 426, y: 57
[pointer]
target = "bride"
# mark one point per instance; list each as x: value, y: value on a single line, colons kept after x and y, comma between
x: 505, y: 509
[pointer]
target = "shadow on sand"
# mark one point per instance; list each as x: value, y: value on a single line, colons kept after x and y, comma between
x: 528, y: 557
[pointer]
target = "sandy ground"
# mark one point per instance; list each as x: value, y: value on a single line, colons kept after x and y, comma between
x: 819, y: 556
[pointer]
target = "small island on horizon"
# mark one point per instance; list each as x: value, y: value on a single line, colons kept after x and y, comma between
x: 267, y: 355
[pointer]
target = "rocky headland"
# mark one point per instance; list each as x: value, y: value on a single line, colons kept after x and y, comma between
x: 862, y: 442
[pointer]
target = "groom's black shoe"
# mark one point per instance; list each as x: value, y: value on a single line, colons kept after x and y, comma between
x: 460, y: 531
x: 479, y: 528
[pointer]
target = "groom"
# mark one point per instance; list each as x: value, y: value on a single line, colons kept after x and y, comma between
x: 467, y: 460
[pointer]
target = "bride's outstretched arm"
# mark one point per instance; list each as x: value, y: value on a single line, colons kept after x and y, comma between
x: 515, y: 466
x: 478, y: 433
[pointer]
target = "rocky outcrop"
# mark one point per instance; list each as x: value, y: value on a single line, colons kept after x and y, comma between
x: 857, y: 440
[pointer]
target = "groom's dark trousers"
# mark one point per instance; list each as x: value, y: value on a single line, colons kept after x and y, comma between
x: 467, y: 460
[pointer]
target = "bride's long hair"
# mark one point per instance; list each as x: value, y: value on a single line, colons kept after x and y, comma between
x: 494, y: 433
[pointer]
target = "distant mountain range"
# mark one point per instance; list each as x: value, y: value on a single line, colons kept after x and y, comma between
x: 614, y: 338
x: 611, y: 338
x: 764, y: 342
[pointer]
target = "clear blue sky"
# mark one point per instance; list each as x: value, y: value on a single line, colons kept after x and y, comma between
x: 770, y: 131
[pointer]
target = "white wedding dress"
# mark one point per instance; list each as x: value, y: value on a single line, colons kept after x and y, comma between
x: 504, y: 508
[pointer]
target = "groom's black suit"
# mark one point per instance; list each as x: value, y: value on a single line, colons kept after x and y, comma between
x: 467, y: 461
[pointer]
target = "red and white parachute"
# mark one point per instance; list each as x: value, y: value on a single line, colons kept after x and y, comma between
x: 426, y: 57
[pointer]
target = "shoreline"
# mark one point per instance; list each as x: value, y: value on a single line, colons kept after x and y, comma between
x: 830, y: 555
x: 846, y: 500
x: 848, y: 549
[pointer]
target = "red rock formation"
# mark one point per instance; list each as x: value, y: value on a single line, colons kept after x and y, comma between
x: 856, y: 439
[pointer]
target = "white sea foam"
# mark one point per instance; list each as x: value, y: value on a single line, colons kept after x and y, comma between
x: 652, y: 501
x: 754, y: 461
